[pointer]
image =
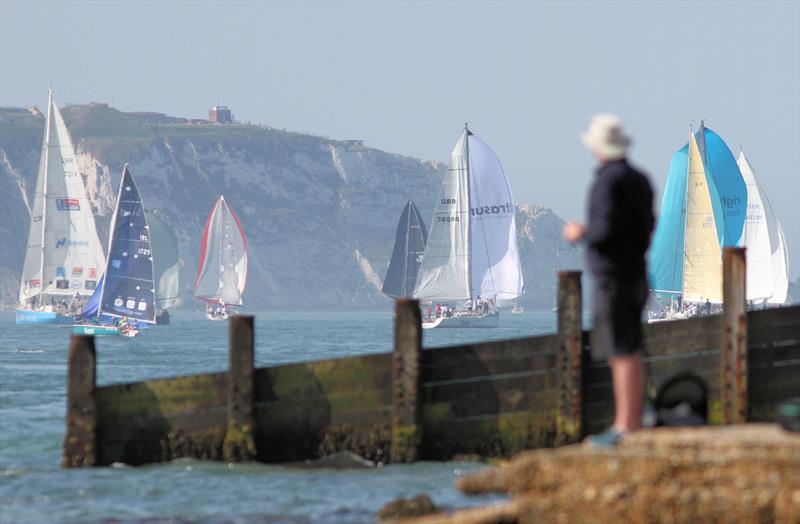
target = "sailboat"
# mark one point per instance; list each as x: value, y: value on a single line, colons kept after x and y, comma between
x: 703, y: 208
x: 471, y: 252
x: 767, y: 259
x: 409, y: 246
x: 126, y: 295
x: 166, y: 265
x: 222, y: 272
x: 64, y: 254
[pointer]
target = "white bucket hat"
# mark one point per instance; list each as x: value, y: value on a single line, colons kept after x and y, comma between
x: 605, y: 137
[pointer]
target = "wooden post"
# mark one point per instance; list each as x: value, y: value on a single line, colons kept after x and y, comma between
x: 406, y: 426
x: 733, y: 343
x: 80, y: 442
x: 239, y: 444
x: 569, y: 361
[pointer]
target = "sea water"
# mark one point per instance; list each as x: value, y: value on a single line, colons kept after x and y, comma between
x: 33, y: 488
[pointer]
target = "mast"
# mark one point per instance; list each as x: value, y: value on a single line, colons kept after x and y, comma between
x: 221, y: 215
x: 404, y: 289
x: 468, y: 215
x: 44, y: 193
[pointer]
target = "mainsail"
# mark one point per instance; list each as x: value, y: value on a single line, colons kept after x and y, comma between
x: 166, y: 260
x: 128, y: 288
x: 472, y: 245
x: 409, y: 246
x: 702, y: 270
x: 64, y: 254
x: 767, y: 279
x: 222, y: 273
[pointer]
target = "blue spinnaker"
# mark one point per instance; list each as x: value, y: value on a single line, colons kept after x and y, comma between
x: 666, y: 253
x: 721, y: 166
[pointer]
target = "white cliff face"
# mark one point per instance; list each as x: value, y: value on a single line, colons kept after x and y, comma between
x: 320, y: 215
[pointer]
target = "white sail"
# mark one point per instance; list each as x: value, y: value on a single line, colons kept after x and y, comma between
x: 496, y: 271
x: 702, y: 270
x: 760, y: 279
x: 780, y: 267
x: 64, y: 254
x: 166, y: 260
x: 222, y: 273
x: 445, y: 270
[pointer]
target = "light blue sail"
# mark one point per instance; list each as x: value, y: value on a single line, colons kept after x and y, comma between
x: 721, y: 166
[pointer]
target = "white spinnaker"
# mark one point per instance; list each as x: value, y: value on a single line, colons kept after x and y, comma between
x: 73, y: 254
x: 445, y: 270
x: 496, y: 271
x: 702, y: 270
x: 780, y: 267
x: 760, y: 279
x: 223, y: 269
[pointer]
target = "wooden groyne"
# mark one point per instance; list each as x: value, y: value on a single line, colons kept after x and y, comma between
x: 488, y: 399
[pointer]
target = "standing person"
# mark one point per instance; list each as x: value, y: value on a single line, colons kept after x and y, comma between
x: 617, y: 235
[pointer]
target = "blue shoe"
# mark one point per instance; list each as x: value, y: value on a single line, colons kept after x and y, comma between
x: 607, y: 439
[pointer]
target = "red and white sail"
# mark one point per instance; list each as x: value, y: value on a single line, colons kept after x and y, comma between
x: 222, y: 273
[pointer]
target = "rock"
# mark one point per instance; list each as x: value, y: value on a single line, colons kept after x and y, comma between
x: 402, y: 508
x: 741, y: 473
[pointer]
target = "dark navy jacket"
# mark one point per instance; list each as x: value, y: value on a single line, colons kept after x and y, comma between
x: 620, y: 222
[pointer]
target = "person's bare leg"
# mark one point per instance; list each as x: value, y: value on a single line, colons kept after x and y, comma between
x: 627, y: 374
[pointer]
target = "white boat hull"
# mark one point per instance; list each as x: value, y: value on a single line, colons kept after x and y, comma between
x: 490, y: 320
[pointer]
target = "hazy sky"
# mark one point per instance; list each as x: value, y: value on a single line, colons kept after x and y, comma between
x: 405, y: 76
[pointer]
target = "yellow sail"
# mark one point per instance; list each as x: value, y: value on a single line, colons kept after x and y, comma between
x: 702, y: 262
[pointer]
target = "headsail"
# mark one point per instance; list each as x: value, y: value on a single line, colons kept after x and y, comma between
x: 222, y: 273
x: 763, y: 237
x: 702, y: 271
x: 128, y: 287
x: 166, y: 260
x: 409, y: 246
x: 445, y: 271
x: 496, y: 271
x: 64, y: 255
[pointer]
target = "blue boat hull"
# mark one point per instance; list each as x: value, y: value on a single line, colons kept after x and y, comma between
x: 31, y: 316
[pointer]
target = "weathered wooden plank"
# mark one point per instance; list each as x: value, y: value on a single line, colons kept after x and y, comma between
x: 322, y: 377
x: 491, y: 357
x: 681, y: 336
x: 481, y: 399
x: 488, y: 436
x: 733, y: 337
x: 779, y: 334
x: 161, y: 397
x: 774, y: 317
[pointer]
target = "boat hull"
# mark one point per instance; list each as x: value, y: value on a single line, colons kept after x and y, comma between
x: 94, y: 329
x: 491, y: 320
x: 37, y: 316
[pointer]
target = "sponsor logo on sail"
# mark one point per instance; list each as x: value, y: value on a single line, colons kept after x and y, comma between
x: 61, y: 271
x: 34, y: 282
x: 68, y: 204
x: 76, y: 284
x: 497, y: 209
x: 77, y: 271
x: 62, y: 284
x: 92, y: 272
x: 90, y: 284
x: 61, y: 242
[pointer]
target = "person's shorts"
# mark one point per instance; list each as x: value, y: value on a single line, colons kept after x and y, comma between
x: 618, y: 306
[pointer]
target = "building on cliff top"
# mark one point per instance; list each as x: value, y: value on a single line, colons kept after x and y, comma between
x: 220, y: 115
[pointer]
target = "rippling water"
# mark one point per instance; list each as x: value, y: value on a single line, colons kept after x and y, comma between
x: 32, y: 405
